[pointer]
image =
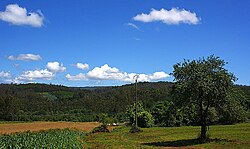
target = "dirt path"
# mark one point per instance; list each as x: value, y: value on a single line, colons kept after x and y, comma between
x: 38, y: 126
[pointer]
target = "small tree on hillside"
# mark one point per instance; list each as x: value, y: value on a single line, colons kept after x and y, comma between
x: 203, y: 82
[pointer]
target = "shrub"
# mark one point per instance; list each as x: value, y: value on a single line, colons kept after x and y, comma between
x: 102, y: 128
x: 145, y: 119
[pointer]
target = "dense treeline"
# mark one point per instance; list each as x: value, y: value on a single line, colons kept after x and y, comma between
x: 30, y: 102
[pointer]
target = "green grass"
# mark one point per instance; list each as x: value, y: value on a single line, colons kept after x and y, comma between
x: 45, y: 139
x: 224, y: 136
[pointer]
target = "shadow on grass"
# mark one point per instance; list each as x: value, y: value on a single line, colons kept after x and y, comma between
x: 181, y: 143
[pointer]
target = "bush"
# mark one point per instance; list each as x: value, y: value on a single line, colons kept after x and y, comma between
x: 135, y: 129
x: 102, y: 128
x: 145, y: 119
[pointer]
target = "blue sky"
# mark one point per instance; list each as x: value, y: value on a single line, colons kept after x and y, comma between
x: 89, y: 43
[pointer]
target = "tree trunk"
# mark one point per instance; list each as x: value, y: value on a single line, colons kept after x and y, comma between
x: 203, y: 135
x: 203, y: 122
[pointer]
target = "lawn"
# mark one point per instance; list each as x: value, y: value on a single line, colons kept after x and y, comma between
x: 223, y: 136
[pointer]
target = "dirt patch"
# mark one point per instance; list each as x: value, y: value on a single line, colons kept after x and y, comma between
x: 38, y: 126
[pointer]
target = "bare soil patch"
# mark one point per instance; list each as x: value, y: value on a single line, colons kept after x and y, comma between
x: 38, y: 126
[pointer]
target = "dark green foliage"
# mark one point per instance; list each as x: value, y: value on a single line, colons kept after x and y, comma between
x: 233, y: 111
x: 135, y: 129
x: 102, y: 128
x: 190, y: 114
x: 165, y: 114
x: 42, y: 102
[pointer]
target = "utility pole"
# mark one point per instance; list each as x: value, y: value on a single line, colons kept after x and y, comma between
x: 136, y: 100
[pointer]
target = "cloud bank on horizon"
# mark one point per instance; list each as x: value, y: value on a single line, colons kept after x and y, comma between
x: 106, y: 72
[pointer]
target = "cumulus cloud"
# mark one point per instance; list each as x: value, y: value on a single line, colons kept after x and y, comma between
x: 19, y: 16
x: 133, y: 26
x: 78, y: 77
x: 25, y: 57
x: 5, y: 74
x: 39, y: 74
x: 173, y: 16
x: 36, y: 74
x: 106, y: 72
x: 82, y: 66
x: 55, y: 67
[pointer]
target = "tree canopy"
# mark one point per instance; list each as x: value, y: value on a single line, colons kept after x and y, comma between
x: 203, y: 82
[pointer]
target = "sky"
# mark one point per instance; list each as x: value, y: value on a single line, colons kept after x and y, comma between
x: 101, y: 43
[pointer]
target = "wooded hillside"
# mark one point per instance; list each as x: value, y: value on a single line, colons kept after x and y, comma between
x: 27, y: 102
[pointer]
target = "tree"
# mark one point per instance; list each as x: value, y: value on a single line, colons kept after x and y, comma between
x: 203, y: 82
x: 145, y: 119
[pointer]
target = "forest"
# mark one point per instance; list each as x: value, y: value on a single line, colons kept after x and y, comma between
x: 48, y: 102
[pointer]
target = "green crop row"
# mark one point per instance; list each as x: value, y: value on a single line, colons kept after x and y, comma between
x: 45, y: 139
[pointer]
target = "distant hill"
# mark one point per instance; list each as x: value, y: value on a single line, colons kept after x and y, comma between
x: 57, y: 102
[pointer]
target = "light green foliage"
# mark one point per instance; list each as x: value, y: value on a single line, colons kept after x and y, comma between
x: 47, y: 139
x: 48, y: 96
x: 145, y: 119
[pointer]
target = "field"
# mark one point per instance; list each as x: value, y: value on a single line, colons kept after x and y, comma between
x: 224, y: 136
x: 221, y: 136
x: 8, y: 128
x: 58, y: 138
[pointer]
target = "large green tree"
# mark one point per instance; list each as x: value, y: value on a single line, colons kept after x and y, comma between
x: 205, y: 83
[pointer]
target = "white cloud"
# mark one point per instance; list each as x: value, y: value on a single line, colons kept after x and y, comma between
x: 25, y: 57
x: 78, y: 77
x: 82, y: 66
x: 55, y: 67
x: 133, y: 25
x: 5, y: 74
x: 36, y: 74
x: 43, y: 74
x: 173, y: 16
x: 106, y: 72
x: 19, y: 16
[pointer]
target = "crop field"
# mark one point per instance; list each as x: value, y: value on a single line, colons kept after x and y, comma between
x: 64, y: 138
x: 8, y: 128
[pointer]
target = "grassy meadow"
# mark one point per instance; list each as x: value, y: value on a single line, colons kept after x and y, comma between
x: 224, y: 136
x: 221, y: 136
